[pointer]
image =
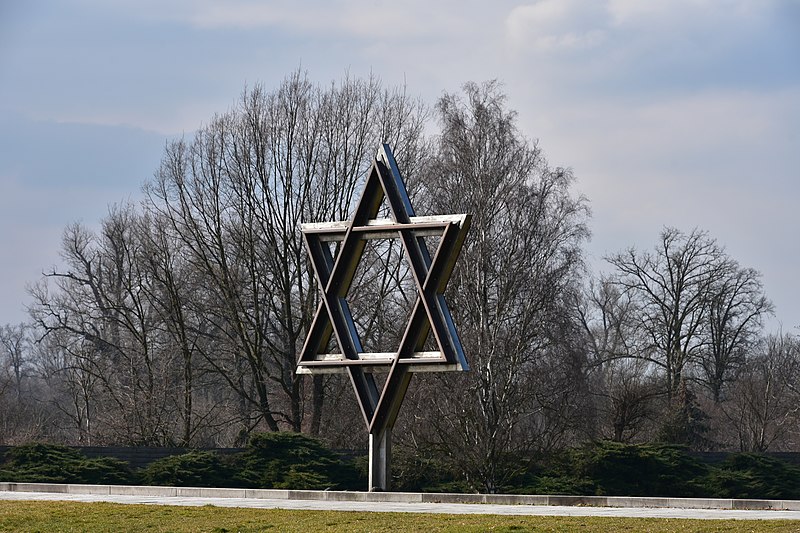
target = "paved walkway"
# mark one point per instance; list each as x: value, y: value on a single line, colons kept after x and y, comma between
x: 444, y: 508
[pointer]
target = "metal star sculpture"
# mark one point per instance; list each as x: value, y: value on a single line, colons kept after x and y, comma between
x: 429, y: 315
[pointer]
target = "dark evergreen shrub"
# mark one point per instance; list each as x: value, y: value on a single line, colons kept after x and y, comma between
x: 40, y: 463
x: 293, y: 461
x: 554, y: 473
x: 753, y: 476
x: 558, y: 485
x: 51, y: 463
x: 618, y: 469
x: 414, y: 472
x: 105, y: 471
x: 193, y: 469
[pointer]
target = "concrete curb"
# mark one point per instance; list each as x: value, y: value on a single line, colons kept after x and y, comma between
x: 405, y: 497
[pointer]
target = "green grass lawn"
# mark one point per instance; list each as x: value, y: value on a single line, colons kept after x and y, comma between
x: 33, y: 516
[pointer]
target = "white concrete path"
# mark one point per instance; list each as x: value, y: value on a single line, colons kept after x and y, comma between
x: 444, y: 508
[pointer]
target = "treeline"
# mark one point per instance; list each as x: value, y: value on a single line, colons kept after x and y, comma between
x: 178, y: 320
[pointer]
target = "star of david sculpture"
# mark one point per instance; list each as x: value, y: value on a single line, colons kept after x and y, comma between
x: 430, y: 315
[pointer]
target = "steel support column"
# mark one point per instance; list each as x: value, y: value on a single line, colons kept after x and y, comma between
x: 380, y: 450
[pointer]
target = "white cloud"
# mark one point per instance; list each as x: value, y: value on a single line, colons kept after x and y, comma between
x: 557, y: 24
x: 713, y: 139
x: 664, y: 14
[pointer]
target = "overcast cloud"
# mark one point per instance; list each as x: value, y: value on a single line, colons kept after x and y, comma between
x: 682, y: 112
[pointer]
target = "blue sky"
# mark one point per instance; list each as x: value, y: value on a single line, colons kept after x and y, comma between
x: 670, y: 112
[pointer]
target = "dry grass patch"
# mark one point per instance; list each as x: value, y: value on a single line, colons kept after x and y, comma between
x: 39, y: 516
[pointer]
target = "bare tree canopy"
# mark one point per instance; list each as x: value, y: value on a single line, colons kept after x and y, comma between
x: 696, y: 304
x: 699, y: 312
x: 178, y: 320
x: 507, y: 294
x: 212, y: 270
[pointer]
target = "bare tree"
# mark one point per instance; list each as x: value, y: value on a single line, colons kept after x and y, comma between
x: 107, y: 322
x: 69, y: 311
x: 507, y: 294
x: 699, y: 313
x: 672, y: 289
x: 73, y: 390
x: 736, y: 306
x: 172, y: 322
x: 22, y: 416
x: 763, y: 406
x: 14, y: 346
x: 622, y: 384
x: 177, y: 294
x: 234, y: 198
x: 608, y: 318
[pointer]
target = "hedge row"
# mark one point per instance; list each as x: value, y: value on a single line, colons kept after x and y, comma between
x: 615, y: 469
x: 271, y: 460
x: 291, y: 460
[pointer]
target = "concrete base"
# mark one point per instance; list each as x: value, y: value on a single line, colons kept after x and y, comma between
x: 406, y: 497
